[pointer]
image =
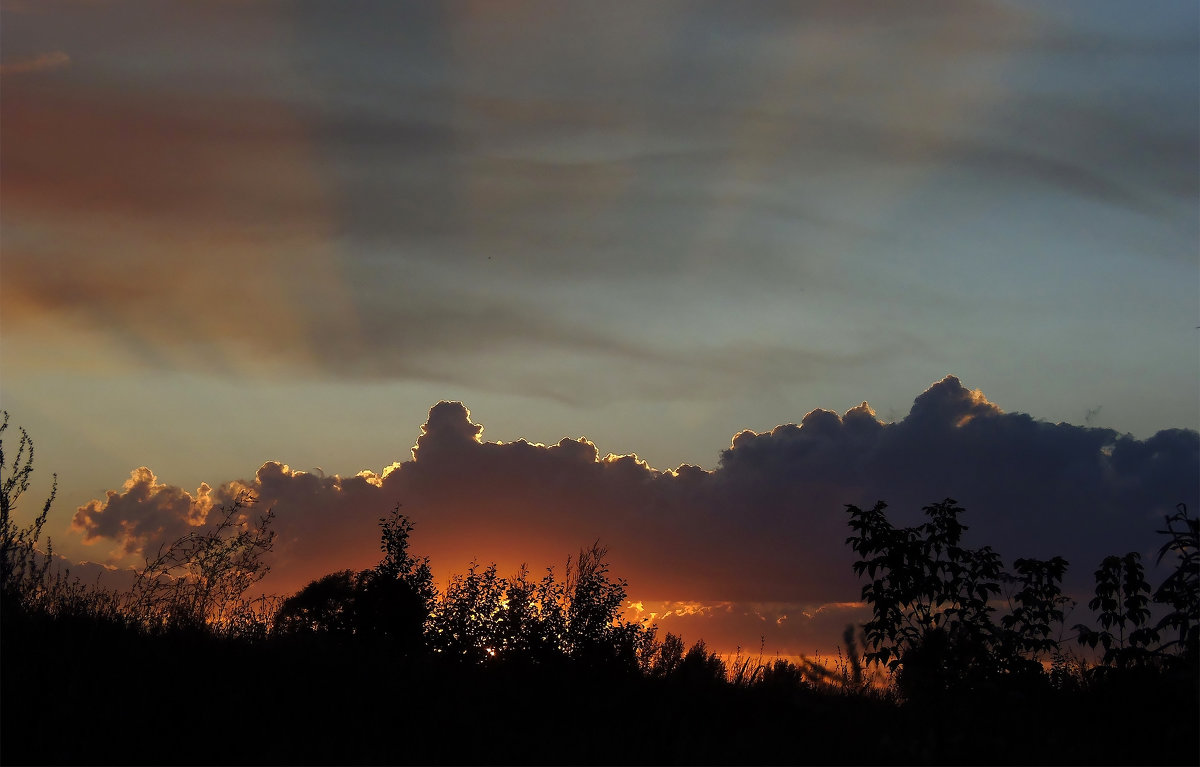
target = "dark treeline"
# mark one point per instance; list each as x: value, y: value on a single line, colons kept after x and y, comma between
x: 964, y: 661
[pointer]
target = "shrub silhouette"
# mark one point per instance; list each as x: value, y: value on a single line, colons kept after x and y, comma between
x: 482, y: 616
x: 1181, y: 589
x: 198, y: 582
x: 700, y: 667
x: 394, y: 600
x: 24, y: 571
x: 391, y: 602
x: 783, y: 675
x: 467, y: 622
x: 201, y: 579
x: 931, y: 597
x: 1035, y: 609
x: 324, y: 607
x: 669, y: 657
x: 1123, y: 605
x: 517, y: 632
x: 594, y: 631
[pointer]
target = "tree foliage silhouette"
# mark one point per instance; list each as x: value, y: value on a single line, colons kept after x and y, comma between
x: 1036, y: 608
x: 931, y: 600
x: 391, y: 602
x: 483, y: 616
x: 1123, y: 601
x: 1122, y: 606
x: 700, y: 667
x: 395, y: 599
x: 467, y: 621
x: 669, y: 657
x: 594, y: 631
x: 1181, y: 589
x: 326, y: 607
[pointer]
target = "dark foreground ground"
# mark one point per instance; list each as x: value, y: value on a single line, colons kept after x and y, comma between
x: 85, y: 692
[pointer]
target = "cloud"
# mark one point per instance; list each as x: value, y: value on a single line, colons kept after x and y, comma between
x: 779, y: 628
x: 364, y: 186
x: 766, y: 526
x: 42, y: 62
x: 143, y: 513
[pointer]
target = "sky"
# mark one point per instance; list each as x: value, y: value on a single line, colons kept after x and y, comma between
x: 661, y: 252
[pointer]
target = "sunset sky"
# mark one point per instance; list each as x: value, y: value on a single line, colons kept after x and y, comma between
x: 255, y: 244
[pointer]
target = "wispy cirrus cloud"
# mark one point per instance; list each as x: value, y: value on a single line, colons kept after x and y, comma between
x: 783, y: 192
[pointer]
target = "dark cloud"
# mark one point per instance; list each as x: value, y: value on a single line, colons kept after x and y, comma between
x: 143, y: 513
x: 766, y: 526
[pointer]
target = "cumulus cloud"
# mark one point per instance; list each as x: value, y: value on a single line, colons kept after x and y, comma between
x: 143, y: 513
x: 766, y: 527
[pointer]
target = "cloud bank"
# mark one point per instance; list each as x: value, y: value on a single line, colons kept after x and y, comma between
x: 758, y: 539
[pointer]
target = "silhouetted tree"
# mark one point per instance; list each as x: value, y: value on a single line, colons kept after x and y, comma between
x: 398, y: 563
x: 931, y: 601
x: 594, y: 630
x: 326, y: 606
x: 1122, y: 603
x: 1123, y: 599
x: 1181, y: 589
x: 483, y: 616
x: 394, y: 601
x: 517, y: 632
x: 668, y: 655
x: 391, y: 602
x: 699, y: 666
x: 929, y: 595
x: 1037, y: 606
x: 467, y: 622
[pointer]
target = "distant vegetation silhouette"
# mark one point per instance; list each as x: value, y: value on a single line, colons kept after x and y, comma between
x: 962, y: 661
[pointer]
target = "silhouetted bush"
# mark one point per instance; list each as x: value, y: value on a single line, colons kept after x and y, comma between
x: 931, y: 597
x: 699, y: 666
x: 1122, y: 604
x: 24, y: 571
x: 482, y: 617
x: 669, y: 656
x: 1134, y: 646
x: 390, y: 603
x: 467, y: 621
x: 325, y: 607
x: 201, y: 579
x: 1181, y: 589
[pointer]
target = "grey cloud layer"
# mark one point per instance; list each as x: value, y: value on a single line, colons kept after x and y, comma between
x: 767, y: 525
x: 477, y: 188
